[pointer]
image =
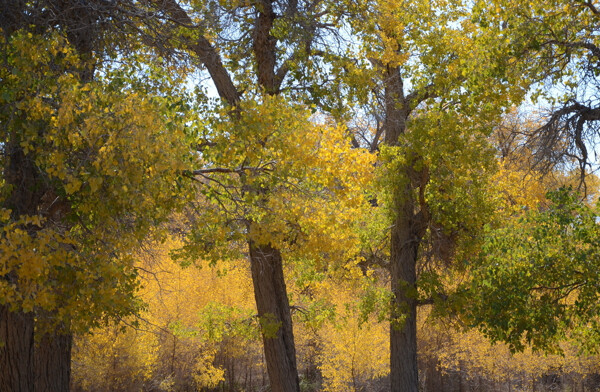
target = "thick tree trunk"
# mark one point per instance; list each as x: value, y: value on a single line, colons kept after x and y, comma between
x: 406, y: 236
x: 16, y: 351
x: 17, y: 372
x: 25, y: 365
x: 404, y: 376
x: 274, y: 313
x: 53, y: 363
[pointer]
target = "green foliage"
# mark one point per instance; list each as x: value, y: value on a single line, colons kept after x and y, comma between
x: 218, y: 320
x: 536, y: 281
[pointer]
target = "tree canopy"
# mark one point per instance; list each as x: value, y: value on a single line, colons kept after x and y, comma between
x: 368, y: 159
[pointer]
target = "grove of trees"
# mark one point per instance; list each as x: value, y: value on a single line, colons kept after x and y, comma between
x: 293, y: 195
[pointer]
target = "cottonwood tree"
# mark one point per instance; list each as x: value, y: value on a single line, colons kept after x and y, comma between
x: 551, y: 49
x: 434, y: 107
x: 277, y: 180
x: 88, y: 168
x: 257, y: 53
x: 535, y: 284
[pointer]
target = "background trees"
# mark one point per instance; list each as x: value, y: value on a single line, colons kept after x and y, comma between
x: 546, y: 263
x: 552, y: 48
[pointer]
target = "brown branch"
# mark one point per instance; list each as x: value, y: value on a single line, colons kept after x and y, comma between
x: 298, y: 308
x: 215, y: 170
x: 591, y: 6
x: 416, y: 97
x: 576, y: 45
x: 262, y: 168
x: 206, y: 53
x: 375, y: 144
x: 432, y: 300
x: 569, y: 286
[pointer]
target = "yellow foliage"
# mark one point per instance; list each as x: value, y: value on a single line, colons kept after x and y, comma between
x: 275, y: 175
x: 104, y: 159
x: 470, y: 353
x: 353, y: 353
x: 205, y: 374
x: 193, y: 316
x: 349, y: 350
x: 115, y: 358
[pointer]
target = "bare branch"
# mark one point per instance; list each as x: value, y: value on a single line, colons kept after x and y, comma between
x: 591, y: 6
x: 215, y: 170
x: 265, y: 167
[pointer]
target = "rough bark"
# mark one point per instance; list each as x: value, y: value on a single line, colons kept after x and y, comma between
x: 17, y: 372
x: 274, y: 312
x: 406, y: 234
x: 53, y: 363
x: 264, y: 47
x: 23, y: 366
x: 16, y: 351
x: 403, y: 334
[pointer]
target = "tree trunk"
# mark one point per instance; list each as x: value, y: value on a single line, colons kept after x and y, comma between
x: 404, y: 245
x: 275, y: 317
x: 16, y: 351
x: 53, y: 363
x: 461, y: 387
x: 17, y: 372
x: 404, y: 374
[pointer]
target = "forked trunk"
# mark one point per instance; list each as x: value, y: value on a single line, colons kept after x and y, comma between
x: 16, y: 351
x: 275, y: 317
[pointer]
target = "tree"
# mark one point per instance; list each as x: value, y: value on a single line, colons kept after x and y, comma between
x: 552, y: 50
x: 88, y: 171
x: 433, y: 112
x: 255, y: 52
x: 535, y: 282
x: 275, y: 178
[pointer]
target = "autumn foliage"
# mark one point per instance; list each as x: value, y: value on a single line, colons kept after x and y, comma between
x: 295, y: 196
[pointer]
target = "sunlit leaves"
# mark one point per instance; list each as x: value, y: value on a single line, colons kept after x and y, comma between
x: 176, y: 342
x: 278, y: 176
x: 106, y: 160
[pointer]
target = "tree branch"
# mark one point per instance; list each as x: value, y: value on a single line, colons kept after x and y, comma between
x: 416, y: 97
x: 432, y: 300
x: 576, y: 45
x: 266, y: 167
x: 591, y: 6
x: 206, y: 53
